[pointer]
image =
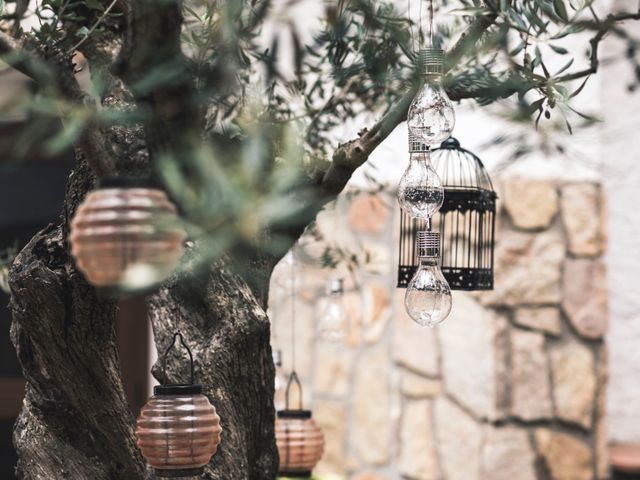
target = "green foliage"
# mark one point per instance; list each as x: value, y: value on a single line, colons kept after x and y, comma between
x: 359, y: 60
x: 277, y: 97
x: 63, y: 23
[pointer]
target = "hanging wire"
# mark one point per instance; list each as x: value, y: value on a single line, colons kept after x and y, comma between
x: 176, y: 336
x: 293, y: 378
x: 421, y: 36
x: 431, y: 23
x: 293, y: 312
x: 413, y: 40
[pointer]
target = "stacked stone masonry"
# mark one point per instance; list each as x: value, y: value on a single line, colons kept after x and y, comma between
x: 510, y: 387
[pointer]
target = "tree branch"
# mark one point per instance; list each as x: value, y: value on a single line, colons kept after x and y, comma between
x: 469, y: 37
x: 12, y: 52
x: 602, y: 29
x: 152, y: 46
x: 351, y: 155
x: 94, y: 26
x: 56, y: 75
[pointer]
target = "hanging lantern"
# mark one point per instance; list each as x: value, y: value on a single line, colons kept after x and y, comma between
x: 178, y: 430
x: 466, y: 222
x: 300, y: 441
x: 124, y: 236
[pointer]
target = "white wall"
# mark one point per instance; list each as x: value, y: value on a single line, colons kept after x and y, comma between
x: 620, y: 137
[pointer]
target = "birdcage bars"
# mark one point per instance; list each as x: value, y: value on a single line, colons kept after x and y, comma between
x: 466, y: 222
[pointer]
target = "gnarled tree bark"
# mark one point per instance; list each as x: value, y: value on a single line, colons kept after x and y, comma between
x: 75, y: 422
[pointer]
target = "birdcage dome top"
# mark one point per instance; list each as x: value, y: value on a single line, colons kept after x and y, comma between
x: 459, y: 168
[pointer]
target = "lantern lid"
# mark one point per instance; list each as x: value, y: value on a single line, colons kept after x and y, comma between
x: 299, y: 414
x: 127, y: 182
x: 184, y: 389
x: 431, y: 61
x: 450, y: 144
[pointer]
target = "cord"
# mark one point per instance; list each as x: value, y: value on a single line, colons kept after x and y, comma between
x: 293, y: 311
x: 431, y: 22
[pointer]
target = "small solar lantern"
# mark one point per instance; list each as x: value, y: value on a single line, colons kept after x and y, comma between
x: 300, y: 441
x: 178, y: 430
x: 125, y: 237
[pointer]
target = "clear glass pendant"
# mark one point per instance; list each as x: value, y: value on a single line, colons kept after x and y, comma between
x: 428, y: 296
x: 420, y: 191
x: 333, y: 320
x: 431, y: 116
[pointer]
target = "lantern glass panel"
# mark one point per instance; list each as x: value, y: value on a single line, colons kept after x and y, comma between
x: 178, y: 434
x: 300, y: 442
x: 126, y: 237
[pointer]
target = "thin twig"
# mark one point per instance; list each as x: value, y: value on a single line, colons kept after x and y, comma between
x: 93, y: 28
x: 60, y: 14
x: 602, y: 28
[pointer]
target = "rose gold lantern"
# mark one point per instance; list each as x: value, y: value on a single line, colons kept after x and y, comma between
x: 124, y: 236
x: 300, y: 441
x: 178, y: 430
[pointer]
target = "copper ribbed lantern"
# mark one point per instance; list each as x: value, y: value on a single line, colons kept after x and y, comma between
x: 178, y: 430
x: 300, y: 441
x: 466, y: 222
x: 124, y: 236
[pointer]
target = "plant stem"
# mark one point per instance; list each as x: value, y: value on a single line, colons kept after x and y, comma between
x: 94, y: 26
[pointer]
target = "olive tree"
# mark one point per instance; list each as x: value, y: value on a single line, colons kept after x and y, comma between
x: 242, y: 127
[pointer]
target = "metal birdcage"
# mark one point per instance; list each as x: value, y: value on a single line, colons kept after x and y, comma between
x: 466, y: 222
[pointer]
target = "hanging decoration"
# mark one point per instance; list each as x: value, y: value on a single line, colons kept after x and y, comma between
x: 420, y: 191
x: 428, y: 296
x: 430, y: 120
x: 333, y: 319
x: 431, y: 117
x: 299, y: 439
x: 124, y: 236
x: 466, y: 221
x: 178, y: 430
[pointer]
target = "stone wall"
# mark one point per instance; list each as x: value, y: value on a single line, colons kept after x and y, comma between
x: 511, y: 386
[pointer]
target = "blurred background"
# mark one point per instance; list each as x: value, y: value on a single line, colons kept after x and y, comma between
x: 545, y: 367
x: 536, y: 379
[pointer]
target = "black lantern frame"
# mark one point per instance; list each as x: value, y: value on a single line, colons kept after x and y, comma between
x: 466, y: 222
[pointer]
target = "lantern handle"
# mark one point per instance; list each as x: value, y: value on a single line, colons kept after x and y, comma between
x: 293, y: 378
x: 166, y: 354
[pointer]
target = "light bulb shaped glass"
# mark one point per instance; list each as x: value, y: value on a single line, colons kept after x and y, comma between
x: 420, y: 191
x: 333, y: 320
x: 428, y: 296
x: 431, y: 117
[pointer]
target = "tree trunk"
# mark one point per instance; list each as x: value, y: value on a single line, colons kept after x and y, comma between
x: 75, y: 422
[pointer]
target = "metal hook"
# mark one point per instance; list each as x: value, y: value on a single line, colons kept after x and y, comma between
x: 292, y: 378
x: 166, y: 354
